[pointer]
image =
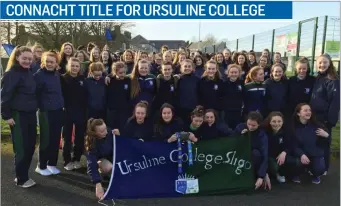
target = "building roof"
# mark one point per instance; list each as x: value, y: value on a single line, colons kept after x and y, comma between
x: 172, y: 44
x: 139, y: 40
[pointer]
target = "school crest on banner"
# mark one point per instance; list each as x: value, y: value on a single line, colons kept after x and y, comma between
x: 150, y: 169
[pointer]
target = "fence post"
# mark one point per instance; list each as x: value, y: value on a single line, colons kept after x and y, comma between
x: 253, y: 42
x: 272, y: 43
x: 298, y: 40
x: 324, y: 33
x: 314, y: 45
x: 237, y: 45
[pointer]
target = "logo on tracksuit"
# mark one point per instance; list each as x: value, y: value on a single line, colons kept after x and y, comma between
x: 239, y: 87
x: 215, y: 87
x: 81, y: 83
x: 307, y: 90
x: 126, y: 86
x: 172, y: 88
x: 151, y: 83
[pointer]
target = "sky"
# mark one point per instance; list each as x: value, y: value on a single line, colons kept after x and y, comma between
x: 229, y: 30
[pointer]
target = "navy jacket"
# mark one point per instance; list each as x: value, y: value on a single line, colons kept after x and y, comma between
x: 155, y: 69
x: 325, y: 100
x: 118, y: 94
x: 103, y: 148
x: 49, y: 90
x: 35, y: 66
x: 187, y: 97
x: 62, y: 66
x: 254, y: 97
x: 299, y: 91
x: 222, y: 68
x: 139, y: 131
x: 147, y: 90
x: 275, y: 95
x: 176, y: 68
x: 18, y: 92
x: 267, y: 71
x: 245, y: 69
x: 210, y: 93
x: 308, y: 142
x: 74, y: 91
x: 96, y: 93
x: 233, y: 95
x: 166, y: 91
x: 279, y: 142
x: 164, y: 131
x: 253, y: 64
x: 259, y: 141
x: 130, y: 67
x: 216, y: 130
x: 199, y: 71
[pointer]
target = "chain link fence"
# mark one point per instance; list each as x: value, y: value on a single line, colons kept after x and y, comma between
x: 309, y: 38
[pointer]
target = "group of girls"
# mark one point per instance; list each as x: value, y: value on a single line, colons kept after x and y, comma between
x: 68, y: 94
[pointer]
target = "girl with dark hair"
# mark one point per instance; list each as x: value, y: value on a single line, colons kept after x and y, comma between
x: 99, y: 152
x: 312, y: 139
x: 282, y: 163
x: 107, y: 61
x: 167, y: 124
x: 213, y: 128
x: 259, y: 144
x: 199, y: 64
x: 242, y: 62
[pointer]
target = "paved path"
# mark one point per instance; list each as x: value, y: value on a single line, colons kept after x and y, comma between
x: 74, y: 188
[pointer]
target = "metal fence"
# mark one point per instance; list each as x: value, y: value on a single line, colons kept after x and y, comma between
x: 309, y: 38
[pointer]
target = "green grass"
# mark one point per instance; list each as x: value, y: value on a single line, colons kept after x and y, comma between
x: 5, y: 133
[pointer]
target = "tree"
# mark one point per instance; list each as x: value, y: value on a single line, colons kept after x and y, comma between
x: 210, y: 39
x: 98, y: 28
x: 7, y: 30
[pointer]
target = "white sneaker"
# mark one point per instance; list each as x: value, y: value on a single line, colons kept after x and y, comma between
x: 69, y: 166
x: 28, y: 183
x: 53, y: 169
x: 44, y: 172
x: 77, y: 165
x: 280, y: 179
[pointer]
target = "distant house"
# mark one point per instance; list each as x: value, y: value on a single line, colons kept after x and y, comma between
x: 172, y: 44
x: 206, y: 47
x: 140, y: 43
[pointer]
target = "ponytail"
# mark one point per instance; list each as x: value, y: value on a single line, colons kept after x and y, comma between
x: 90, y: 138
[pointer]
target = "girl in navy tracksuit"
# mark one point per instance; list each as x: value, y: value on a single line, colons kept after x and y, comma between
x: 118, y: 97
x: 143, y: 84
x: 166, y: 85
x: 300, y: 86
x: 267, y: 55
x: 99, y: 152
x: 96, y: 92
x: 18, y: 109
x: 210, y: 87
x: 51, y: 114
x: 37, y: 51
x: 67, y: 51
x: 252, y: 61
x: 128, y: 58
x: 167, y: 57
x: 312, y: 139
x: 107, y: 61
x: 178, y: 61
x: 219, y: 58
x: 259, y: 144
x: 233, y: 96
x: 242, y: 62
x: 195, y: 127
x: 168, y: 124
x: 276, y: 90
x: 263, y: 63
x: 213, y: 128
x: 187, y: 96
x: 325, y: 99
x: 199, y: 66
x: 280, y: 147
x: 139, y: 126
x: 155, y: 68
x: 227, y: 58
x: 254, y: 91
x: 278, y: 60
x: 75, y: 98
